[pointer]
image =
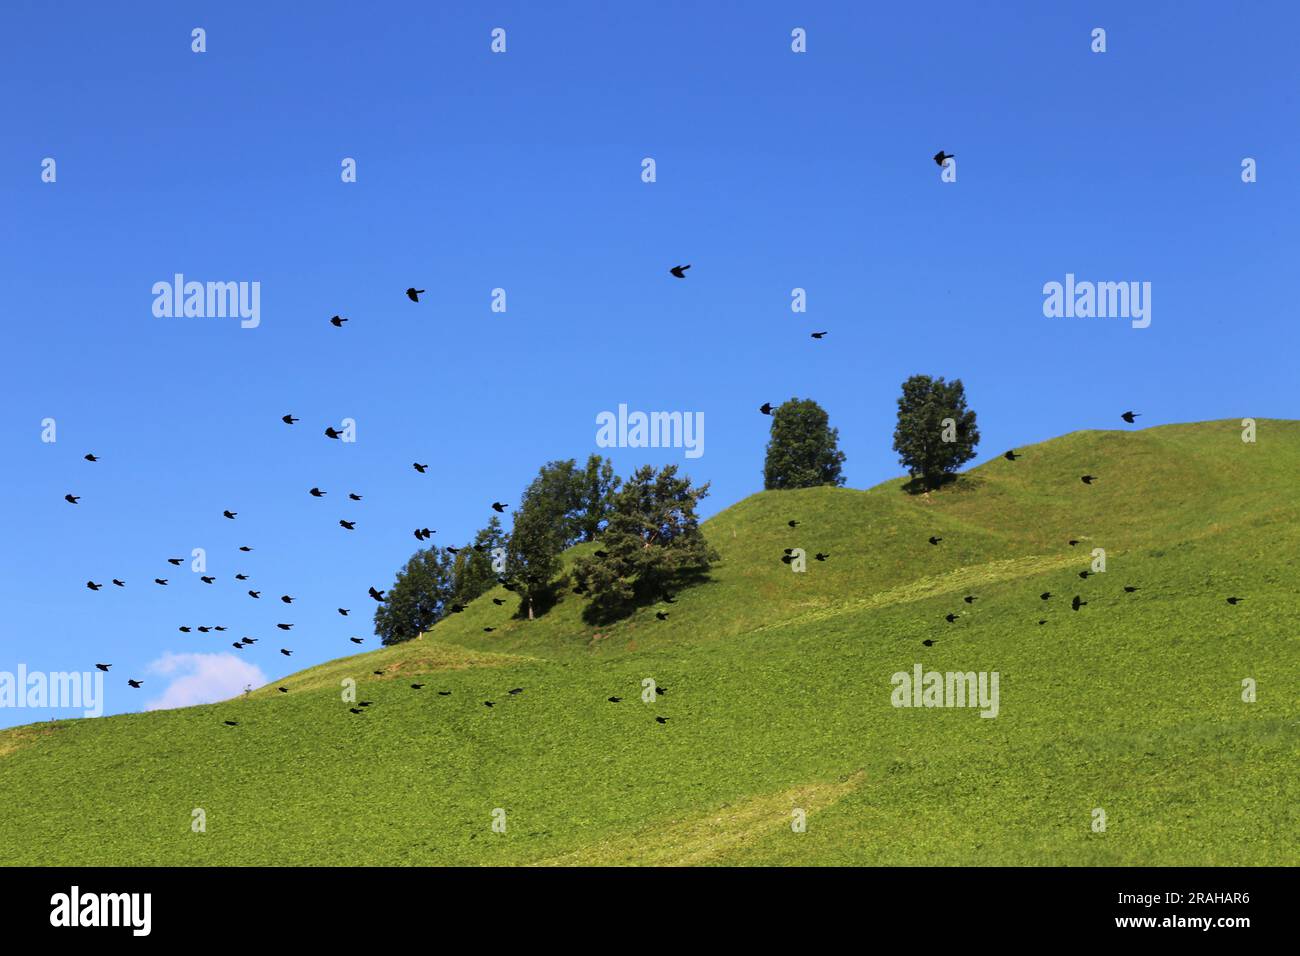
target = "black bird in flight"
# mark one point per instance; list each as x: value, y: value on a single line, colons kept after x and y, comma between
x: 1012, y: 456
x: 90, y: 458
x: 176, y: 561
x: 416, y: 686
x: 662, y: 720
x: 414, y: 294
x: 93, y: 586
x: 364, y: 703
x: 928, y: 643
x: 231, y: 723
x: 1076, y: 603
x: 499, y: 508
x: 317, y: 493
x: 71, y: 499
x: 135, y: 683
x: 792, y: 523
x: 456, y: 608
x: 787, y: 558
x: 679, y: 271
x: 356, y: 640
x: 183, y: 629
x: 1042, y: 622
x: 615, y: 700
x: 517, y: 690
x: 238, y: 645
x: 162, y: 581
x: 284, y: 627
x: 420, y: 535
x: 288, y: 419
x: 661, y: 615
x: 286, y: 652
x: 350, y: 525
x: 354, y: 497
x: 241, y: 577
x: 254, y: 594
x: 444, y: 693
x: 337, y: 321
x: 206, y: 578
x: 103, y: 667
x: 821, y: 557
x: 819, y: 335
x: 1084, y: 574
x: 1235, y: 600
x: 283, y: 690
x: 488, y: 703
x: 934, y: 540
x: 419, y: 467
x: 229, y: 514
x: 245, y: 548
x: 766, y: 408
x: 1045, y: 595
x: 941, y: 157
x: 218, y: 628
x: 498, y: 601
x: 969, y: 599
x: 120, y: 584
x: 1072, y: 542
x: 661, y: 690
x: 950, y: 617
x: 343, y: 611
x: 332, y: 432
x: 204, y: 629
x: 286, y: 599
x: 488, y: 630
x: 1088, y: 479
x: 356, y: 710
x: 1129, y: 589
x: 377, y: 595
x: 1129, y: 416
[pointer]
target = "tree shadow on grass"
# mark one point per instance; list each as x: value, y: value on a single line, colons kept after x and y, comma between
x: 601, y: 614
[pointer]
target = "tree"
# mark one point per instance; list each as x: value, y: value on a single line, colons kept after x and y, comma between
x: 651, y: 544
x: 803, y: 451
x: 936, y: 432
x: 595, y: 498
x: 533, y: 554
x: 472, y: 568
x: 576, y: 499
x: 416, y: 600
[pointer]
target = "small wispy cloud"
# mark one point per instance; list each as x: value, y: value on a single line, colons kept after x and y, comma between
x: 201, y: 679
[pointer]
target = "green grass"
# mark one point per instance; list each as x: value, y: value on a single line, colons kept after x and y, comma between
x: 779, y: 698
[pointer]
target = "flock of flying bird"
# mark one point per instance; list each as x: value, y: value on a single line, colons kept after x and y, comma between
x: 424, y: 534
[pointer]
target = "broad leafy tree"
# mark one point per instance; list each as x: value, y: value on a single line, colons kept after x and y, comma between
x: 803, y: 451
x: 417, y: 598
x: 936, y: 432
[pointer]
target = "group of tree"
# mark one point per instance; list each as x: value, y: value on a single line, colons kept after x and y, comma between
x: 647, y: 527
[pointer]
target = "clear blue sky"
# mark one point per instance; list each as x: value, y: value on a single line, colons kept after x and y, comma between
x: 522, y: 171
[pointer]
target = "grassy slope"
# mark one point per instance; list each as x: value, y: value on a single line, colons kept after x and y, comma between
x: 779, y: 697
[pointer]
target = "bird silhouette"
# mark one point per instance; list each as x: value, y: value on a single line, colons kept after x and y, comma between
x: 416, y: 686
x: 93, y: 586
x: 1084, y: 574
x: 103, y: 667
x: 317, y: 493
x: 928, y: 642
x: 820, y: 335
x: 766, y: 408
x: 356, y: 640
x: 1235, y: 600
x: 444, y: 693
x: 1088, y: 479
x: 332, y: 432
x: 90, y: 458
x: 204, y: 629
x: 421, y: 534
x: 286, y: 652
x: 1129, y: 416
x: 135, y: 683
x: 283, y: 690
x: 354, y: 497
x: 245, y: 548
x: 350, y: 525
x: 661, y: 615
x: 498, y: 601
x: 220, y: 628
x: 71, y: 499
x: 615, y: 700
x: 231, y: 723
x: 1076, y: 603
x: 950, y: 618
x: 414, y: 294
x: 488, y: 703
x: 1045, y: 595
x: 286, y: 599
x: 679, y: 271
x: 934, y: 540
x: 1072, y: 542
x: 229, y: 514
x: 238, y: 645
x: 499, y: 508
x: 337, y: 321
x: 969, y: 599
x: 1129, y: 589
x: 1012, y: 456
x: 488, y: 630
x: 120, y: 584
x: 241, y: 577
x: 819, y: 556
x: 289, y: 419
x: 941, y: 157
x: 377, y: 595
x: 661, y: 720
x: 183, y: 629
x: 255, y: 594
x: 517, y: 690
x: 792, y: 523
x: 285, y: 627
x: 419, y: 467
x: 343, y: 611
x: 206, y: 578
x: 162, y: 581
x: 176, y: 561
x: 356, y: 710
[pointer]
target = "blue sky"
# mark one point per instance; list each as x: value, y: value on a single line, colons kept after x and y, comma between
x: 522, y: 170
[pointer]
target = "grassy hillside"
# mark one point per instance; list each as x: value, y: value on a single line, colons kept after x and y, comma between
x: 779, y: 697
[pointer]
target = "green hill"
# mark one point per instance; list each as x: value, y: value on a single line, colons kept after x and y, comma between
x: 778, y: 694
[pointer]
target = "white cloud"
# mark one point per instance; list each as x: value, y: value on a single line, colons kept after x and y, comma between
x: 202, y: 679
